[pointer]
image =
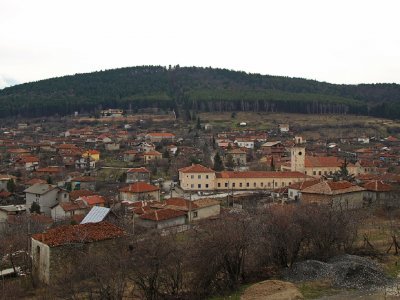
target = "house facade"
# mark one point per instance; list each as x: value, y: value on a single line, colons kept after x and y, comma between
x: 46, y: 195
x: 197, y: 178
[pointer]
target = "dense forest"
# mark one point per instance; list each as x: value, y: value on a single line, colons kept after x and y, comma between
x: 193, y: 88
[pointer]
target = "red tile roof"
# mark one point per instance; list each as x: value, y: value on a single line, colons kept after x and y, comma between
x: 161, y: 134
x: 70, y: 206
x: 82, y: 233
x: 324, y: 161
x: 180, y: 203
x: 73, y: 195
x: 196, y: 168
x: 5, y: 194
x: 302, y: 185
x: 378, y: 186
x: 93, y: 200
x: 139, y: 187
x: 152, y: 153
x: 50, y: 170
x: 261, y: 174
x: 162, y: 214
x: 332, y: 188
x: 35, y: 180
x: 138, y: 170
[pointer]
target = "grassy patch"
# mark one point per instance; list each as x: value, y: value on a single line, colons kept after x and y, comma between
x: 392, y: 266
x: 234, y: 296
x: 316, y: 289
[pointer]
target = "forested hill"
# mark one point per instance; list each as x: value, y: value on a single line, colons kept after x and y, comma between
x: 201, y: 89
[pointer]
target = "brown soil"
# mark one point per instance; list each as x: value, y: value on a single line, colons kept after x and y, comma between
x: 272, y: 290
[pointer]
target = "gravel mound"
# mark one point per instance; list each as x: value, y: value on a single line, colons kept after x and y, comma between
x: 345, y: 271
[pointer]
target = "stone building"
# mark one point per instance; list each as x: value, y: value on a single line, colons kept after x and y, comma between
x: 57, y: 250
x: 140, y: 191
x: 339, y: 194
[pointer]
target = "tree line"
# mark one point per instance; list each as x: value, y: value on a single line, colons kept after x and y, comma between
x: 202, y: 89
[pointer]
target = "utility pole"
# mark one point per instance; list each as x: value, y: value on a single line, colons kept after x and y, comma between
x: 190, y: 207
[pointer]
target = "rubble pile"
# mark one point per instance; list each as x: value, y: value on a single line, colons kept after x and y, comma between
x: 345, y: 271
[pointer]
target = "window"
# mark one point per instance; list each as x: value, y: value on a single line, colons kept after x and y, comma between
x: 38, y: 250
x: 305, y: 172
x: 233, y: 184
x: 192, y: 176
x: 219, y: 184
x: 269, y: 184
x: 319, y: 173
x: 290, y: 183
x: 206, y: 185
x: 255, y: 184
x: 330, y: 172
x: 325, y: 172
x: 226, y: 184
x: 198, y: 176
x: 192, y: 186
x: 195, y: 214
x: 199, y: 186
x: 262, y: 184
x: 240, y: 184
x: 315, y: 172
x: 283, y: 184
x: 276, y: 184
x: 206, y: 176
x: 247, y: 184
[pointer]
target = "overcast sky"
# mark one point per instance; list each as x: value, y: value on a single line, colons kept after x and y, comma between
x: 340, y: 41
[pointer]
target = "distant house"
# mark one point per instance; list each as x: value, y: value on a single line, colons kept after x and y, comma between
x: 93, y: 200
x: 4, y: 179
x: 112, y: 146
x: 195, y: 210
x: 28, y: 162
x: 83, y: 183
x: 130, y: 155
x: 137, y: 174
x: 380, y: 193
x: 284, y: 128
x: 156, y: 137
x: 85, y: 163
x: 103, y: 138
x: 46, y: 195
x: 53, y: 251
x: 10, y: 210
x: 245, y: 143
x: 66, y: 210
x: 91, y: 153
x: 340, y: 194
x: 139, y: 191
x: 294, y: 190
x: 151, y: 156
x: 145, y: 147
x: 112, y: 113
x: 239, y: 156
x: 275, y: 148
x: 162, y: 218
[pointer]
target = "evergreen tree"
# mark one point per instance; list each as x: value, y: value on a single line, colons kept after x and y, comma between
x: 198, y: 125
x: 11, y: 186
x: 230, y: 163
x: 218, y: 164
x: 35, y: 208
x: 272, y: 164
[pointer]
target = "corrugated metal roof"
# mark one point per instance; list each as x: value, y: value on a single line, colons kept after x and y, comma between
x: 96, y: 215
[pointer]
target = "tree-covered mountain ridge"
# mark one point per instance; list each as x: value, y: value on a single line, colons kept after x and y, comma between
x: 195, y: 88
